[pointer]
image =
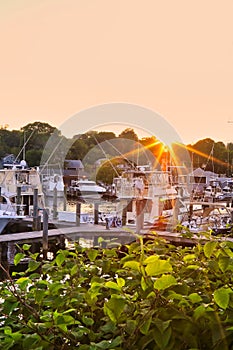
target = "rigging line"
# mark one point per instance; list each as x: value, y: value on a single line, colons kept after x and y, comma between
x: 112, y: 165
x: 211, y: 153
x: 52, y: 154
x: 24, y: 145
x: 142, y: 149
x: 4, y: 178
x: 121, y: 154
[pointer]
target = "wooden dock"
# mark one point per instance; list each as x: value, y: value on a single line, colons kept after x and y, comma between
x: 124, y: 235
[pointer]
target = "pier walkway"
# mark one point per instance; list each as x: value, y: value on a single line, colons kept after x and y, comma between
x: 124, y: 234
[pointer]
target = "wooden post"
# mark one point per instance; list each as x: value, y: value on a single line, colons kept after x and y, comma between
x: 4, y: 261
x: 175, y: 214
x: 18, y: 200
x: 0, y: 253
x: 124, y: 215
x: 65, y: 196
x: 96, y: 213
x: 45, y: 233
x: 78, y: 213
x: 35, y: 210
x: 55, y: 203
x: 11, y: 253
x: 139, y: 215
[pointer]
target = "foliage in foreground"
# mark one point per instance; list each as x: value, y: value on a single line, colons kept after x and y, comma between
x: 156, y: 296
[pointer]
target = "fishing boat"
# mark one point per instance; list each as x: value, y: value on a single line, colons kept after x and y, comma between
x: 153, y: 188
x: 18, y: 184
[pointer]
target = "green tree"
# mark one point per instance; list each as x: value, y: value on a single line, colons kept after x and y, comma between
x: 128, y: 133
x: 35, y: 137
x: 109, y: 169
x: 78, y: 150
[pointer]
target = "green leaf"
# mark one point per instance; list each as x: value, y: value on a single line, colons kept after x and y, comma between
x: 116, y: 342
x: 164, y: 282
x: 158, y: 268
x: 130, y: 326
x: 22, y: 280
x: 62, y: 326
x: 7, y: 330
x: 30, y: 341
x: 92, y: 254
x: 114, y: 307
x: 162, y: 334
x: 195, y: 298
x: 107, y: 344
x: 74, y: 270
x: 143, y: 284
x: 9, y: 306
x: 60, y: 258
x: 151, y: 259
x: 87, y: 320
x: 134, y: 265
x: 120, y: 282
x: 26, y: 246
x: 222, y: 297
x: 224, y: 263
x: 189, y: 257
x: 144, y: 329
x: 193, y: 267
x: 18, y: 257
x: 112, y: 285
x: 209, y: 248
x: 33, y: 265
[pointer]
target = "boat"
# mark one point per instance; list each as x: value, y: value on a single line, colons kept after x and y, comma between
x: 85, y: 188
x: 152, y: 188
x: 208, y: 216
x: 9, y: 212
x: 18, y: 184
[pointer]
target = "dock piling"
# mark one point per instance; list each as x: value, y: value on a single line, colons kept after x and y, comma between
x: 96, y: 213
x: 78, y: 213
x: 55, y: 202
x: 18, y: 200
x: 139, y: 215
x: 45, y: 233
x: 64, y: 201
x: 36, y: 218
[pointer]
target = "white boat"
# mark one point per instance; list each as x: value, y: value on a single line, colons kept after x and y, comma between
x: 85, y: 188
x: 151, y: 186
x: 216, y: 217
x: 18, y: 185
x: 8, y: 212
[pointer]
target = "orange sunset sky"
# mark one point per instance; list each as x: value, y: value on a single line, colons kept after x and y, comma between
x: 59, y: 57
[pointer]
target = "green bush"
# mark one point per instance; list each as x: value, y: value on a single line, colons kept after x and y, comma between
x: 154, y: 296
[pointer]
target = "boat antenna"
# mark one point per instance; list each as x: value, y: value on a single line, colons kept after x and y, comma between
x: 24, y: 145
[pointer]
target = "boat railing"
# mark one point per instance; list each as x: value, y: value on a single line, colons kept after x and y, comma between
x: 12, y: 209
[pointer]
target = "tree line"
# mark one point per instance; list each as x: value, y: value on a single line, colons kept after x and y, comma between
x: 91, y: 146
